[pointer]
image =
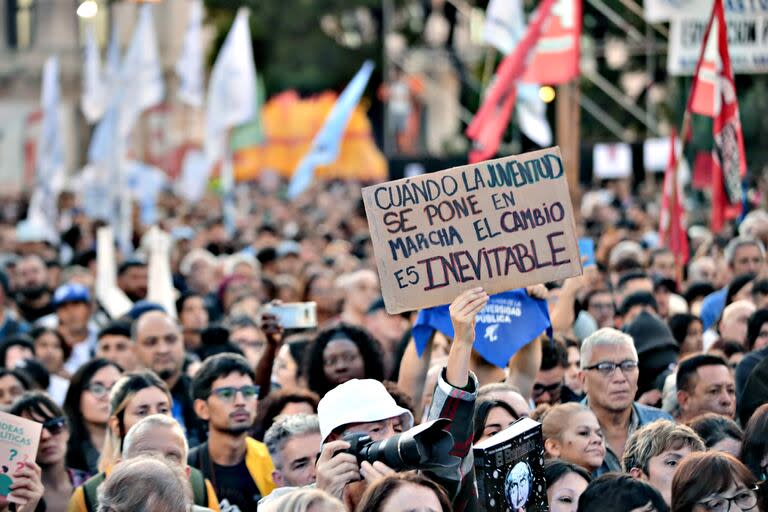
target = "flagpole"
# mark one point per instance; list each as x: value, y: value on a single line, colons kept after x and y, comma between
x: 687, y: 128
x: 672, y: 212
x: 490, y: 54
x: 227, y: 184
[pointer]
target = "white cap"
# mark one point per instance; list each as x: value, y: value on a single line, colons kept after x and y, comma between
x: 358, y: 401
x: 626, y: 249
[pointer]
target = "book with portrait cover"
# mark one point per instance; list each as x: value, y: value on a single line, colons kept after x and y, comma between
x: 510, y: 469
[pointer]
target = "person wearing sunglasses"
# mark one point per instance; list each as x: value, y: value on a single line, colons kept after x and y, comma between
x: 549, y: 387
x: 239, y: 467
x: 58, y: 480
x: 609, y: 375
x: 87, y: 408
x: 714, y: 482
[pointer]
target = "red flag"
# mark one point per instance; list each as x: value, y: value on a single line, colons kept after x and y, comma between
x: 672, y: 230
x: 492, y: 118
x: 556, y: 59
x: 713, y: 94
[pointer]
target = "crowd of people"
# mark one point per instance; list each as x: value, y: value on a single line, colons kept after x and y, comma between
x: 651, y: 391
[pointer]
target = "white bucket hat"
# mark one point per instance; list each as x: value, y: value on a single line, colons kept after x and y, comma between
x: 358, y: 401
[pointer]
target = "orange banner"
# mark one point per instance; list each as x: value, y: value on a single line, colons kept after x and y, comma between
x: 290, y: 123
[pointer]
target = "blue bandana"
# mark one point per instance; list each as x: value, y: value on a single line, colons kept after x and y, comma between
x: 508, y: 322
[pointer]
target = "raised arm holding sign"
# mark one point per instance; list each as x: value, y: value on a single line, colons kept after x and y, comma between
x: 500, y: 224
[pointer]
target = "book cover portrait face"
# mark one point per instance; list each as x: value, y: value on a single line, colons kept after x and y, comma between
x: 517, y: 486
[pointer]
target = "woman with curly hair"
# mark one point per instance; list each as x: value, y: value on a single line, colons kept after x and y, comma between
x: 341, y: 353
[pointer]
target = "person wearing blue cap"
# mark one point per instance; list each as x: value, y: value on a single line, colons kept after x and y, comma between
x: 73, y: 312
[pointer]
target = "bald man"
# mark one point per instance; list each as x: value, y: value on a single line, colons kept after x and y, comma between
x: 159, y: 346
x: 733, y: 323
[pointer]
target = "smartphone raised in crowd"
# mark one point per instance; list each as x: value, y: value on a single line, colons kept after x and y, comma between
x: 294, y: 315
x: 587, y: 250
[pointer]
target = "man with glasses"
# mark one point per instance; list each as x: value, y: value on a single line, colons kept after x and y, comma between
x: 609, y: 376
x: 238, y: 466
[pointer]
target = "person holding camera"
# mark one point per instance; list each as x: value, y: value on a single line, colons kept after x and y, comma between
x: 364, y: 406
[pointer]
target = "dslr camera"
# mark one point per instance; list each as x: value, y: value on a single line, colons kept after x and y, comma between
x: 426, y: 446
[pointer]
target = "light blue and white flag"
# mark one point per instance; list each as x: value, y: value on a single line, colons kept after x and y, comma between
x: 327, y: 143
x: 141, y: 74
x: 50, y: 168
x: 94, y: 97
x: 231, y: 102
x: 112, y: 64
x: 189, y: 67
x: 504, y: 24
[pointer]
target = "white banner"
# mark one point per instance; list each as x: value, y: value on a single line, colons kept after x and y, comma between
x: 671, y: 10
x: 12, y: 135
x: 612, y: 161
x: 747, y: 42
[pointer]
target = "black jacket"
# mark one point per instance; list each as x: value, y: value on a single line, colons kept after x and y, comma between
x: 182, y: 394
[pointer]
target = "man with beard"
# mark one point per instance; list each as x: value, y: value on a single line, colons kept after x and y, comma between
x: 10, y: 324
x: 132, y: 278
x: 159, y: 346
x: 239, y: 467
x: 33, y: 294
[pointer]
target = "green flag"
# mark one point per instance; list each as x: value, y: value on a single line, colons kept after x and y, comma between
x: 251, y: 133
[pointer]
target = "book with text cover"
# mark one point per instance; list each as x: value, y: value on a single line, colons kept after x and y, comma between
x: 509, y: 469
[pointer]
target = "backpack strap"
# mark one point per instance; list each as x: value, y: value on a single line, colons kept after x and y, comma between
x: 197, y: 481
x: 90, y: 492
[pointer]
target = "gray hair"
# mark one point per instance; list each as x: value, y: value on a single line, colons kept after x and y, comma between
x: 601, y: 338
x: 285, y: 428
x: 192, y: 257
x: 145, y: 484
x: 304, y: 500
x: 694, y: 268
x: 143, y: 429
x: 241, y: 258
x: 737, y: 243
x: 347, y: 281
x: 751, y: 221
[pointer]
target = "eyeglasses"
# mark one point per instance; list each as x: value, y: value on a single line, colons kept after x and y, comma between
x: 607, y: 368
x: 745, y: 500
x: 541, y: 388
x: 98, y: 389
x: 55, y: 426
x: 228, y: 393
